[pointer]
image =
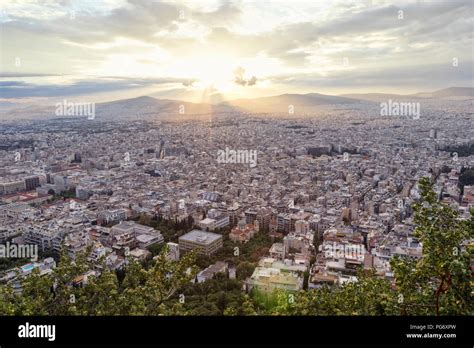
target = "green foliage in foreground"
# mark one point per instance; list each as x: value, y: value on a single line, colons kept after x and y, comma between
x: 440, y: 282
x: 143, y: 291
x: 437, y: 284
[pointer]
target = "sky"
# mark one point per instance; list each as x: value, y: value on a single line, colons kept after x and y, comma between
x: 208, y: 51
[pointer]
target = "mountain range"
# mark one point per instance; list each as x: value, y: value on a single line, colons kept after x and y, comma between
x: 301, y: 103
x: 452, y: 93
x: 146, y: 107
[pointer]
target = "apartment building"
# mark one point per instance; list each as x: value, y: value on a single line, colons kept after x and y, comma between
x: 7, y: 188
x: 206, y: 243
x: 44, y: 238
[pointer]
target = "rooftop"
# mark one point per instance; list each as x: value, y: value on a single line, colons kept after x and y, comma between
x: 200, y: 237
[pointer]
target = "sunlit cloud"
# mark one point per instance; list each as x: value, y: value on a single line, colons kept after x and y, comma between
x: 320, y: 46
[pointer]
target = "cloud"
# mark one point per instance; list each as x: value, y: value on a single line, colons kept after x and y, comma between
x: 252, y: 81
x: 188, y: 83
x: 17, y: 74
x: 225, y: 14
x: 308, y: 47
x: 137, y: 20
x: 414, y: 77
x: 12, y: 84
x: 239, y: 78
x: 447, y: 24
x: 22, y: 89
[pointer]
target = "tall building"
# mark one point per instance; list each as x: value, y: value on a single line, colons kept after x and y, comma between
x: 301, y: 227
x: 250, y: 216
x: 173, y: 251
x: 32, y: 182
x: 233, y: 213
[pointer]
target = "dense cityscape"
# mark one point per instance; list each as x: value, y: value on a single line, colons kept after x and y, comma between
x: 330, y: 194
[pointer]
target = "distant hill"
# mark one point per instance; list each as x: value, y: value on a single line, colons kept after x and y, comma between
x: 148, y: 107
x: 452, y: 93
x: 281, y: 103
x: 377, y: 97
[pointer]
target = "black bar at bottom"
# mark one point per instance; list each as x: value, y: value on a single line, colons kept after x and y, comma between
x: 452, y: 331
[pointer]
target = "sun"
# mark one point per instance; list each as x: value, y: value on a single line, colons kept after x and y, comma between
x: 214, y: 73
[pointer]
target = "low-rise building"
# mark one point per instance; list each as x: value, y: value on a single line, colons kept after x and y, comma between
x: 269, y: 279
x: 207, y: 224
x: 244, y: 233
x: 211, y: 271
x: 206, y: 243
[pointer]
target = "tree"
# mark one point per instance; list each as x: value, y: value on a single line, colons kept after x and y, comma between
x: 144, y: 219
x: 144, y: 291
x: 248, y: 307
x: 370, y: 295
x: 213, y: 297
x: 439, y: 282
x: 164, y: 278
x: 244, y: 270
